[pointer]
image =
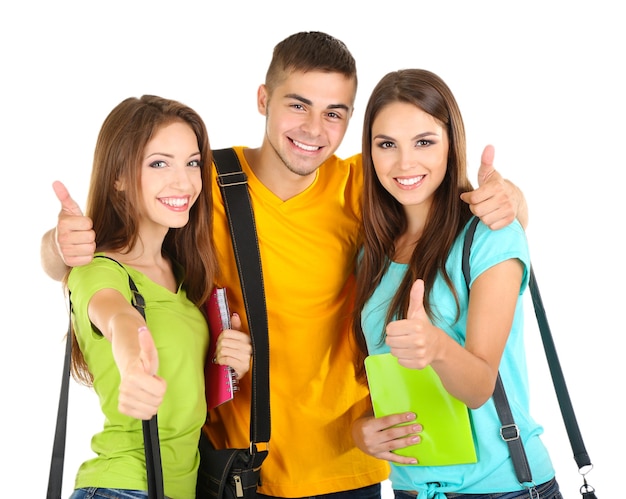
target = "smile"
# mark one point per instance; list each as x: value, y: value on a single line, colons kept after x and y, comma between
x: 175, y: 202
x: 410, y: 181
x: 305, y: 146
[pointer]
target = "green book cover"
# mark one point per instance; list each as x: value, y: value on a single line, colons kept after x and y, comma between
x: 447, y: 436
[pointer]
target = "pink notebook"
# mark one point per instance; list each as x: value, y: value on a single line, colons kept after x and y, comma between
x: 221, y: 381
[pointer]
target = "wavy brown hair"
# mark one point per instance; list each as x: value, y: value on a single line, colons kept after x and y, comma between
x: 384, y: 219
x: 115, y: 213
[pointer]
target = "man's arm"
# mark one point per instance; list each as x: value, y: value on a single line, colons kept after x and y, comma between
x: 51, y: 260
x: 72, y: 242
x: 496, y: 201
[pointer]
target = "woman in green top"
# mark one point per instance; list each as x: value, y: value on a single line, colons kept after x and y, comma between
x: 152, y: 220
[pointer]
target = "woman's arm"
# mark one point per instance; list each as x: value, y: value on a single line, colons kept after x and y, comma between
x: 141, y: 391
x: 467, y: 372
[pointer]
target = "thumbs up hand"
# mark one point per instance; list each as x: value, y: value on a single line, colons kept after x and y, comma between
x: 141, y: 391
x: 75, y: 237
x: 414, y: 340
x: 496, y: 201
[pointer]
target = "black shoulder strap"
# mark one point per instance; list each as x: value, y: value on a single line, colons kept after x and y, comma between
x: 509, y: 428
x: 567, y: 410
x: 55, y: 479
x: 150, y: 428
x: 467, y: 246
x: 233, y: 183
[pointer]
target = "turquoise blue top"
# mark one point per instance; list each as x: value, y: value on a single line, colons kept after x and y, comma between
x: 494, y: 470
x: 181, y: 336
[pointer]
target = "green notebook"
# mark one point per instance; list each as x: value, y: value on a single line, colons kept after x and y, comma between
x: 447, y: 436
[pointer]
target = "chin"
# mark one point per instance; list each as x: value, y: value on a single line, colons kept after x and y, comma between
x: 179, y: 225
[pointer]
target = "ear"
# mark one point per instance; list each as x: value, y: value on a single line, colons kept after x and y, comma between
x: 119, y: 185
x: 261, y: 99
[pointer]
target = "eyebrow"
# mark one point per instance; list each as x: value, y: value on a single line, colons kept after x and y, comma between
x: 415, y: 137
x: 168, y: 155
x: 157, y: 153
x: 310, y: 102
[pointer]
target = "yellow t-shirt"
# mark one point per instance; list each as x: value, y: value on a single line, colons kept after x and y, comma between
x: 308, y: 248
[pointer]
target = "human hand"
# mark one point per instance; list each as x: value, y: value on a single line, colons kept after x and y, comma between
x: 234, y: 348
x: 496, y: 201
x: 379, y: 436
x: 75, y: 238
x: 141, y: 390
x: 414, y: 341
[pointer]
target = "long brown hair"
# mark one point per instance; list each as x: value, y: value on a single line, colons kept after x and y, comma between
x: 384, y: 219
x: 115, y: 213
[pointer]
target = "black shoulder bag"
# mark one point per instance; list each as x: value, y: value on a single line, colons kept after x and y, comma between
x: 150, y: 428
x: 509, y: 430
x: 235, y: 473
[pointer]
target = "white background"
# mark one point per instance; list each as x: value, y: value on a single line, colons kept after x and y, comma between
x: 541, y: 80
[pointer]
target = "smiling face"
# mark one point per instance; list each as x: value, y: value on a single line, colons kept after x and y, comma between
x: 170, y: 176
x: 307, y: 116
x: 409, y: 150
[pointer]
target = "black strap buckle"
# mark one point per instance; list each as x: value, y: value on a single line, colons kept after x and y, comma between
x: 509, y: 432
x: 235, y: 178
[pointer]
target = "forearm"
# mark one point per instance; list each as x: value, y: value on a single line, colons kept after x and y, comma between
x: 464, y: 375
x: 125, y: 346
x: 51, y: 260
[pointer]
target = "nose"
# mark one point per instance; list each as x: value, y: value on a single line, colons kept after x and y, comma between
x: 408, y: 159
x: 313, y: 124
x: 181, y: 177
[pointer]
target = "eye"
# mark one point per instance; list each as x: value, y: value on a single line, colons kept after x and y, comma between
x: 385, y: 144
x: 195, y: 163
x: 158, y: 164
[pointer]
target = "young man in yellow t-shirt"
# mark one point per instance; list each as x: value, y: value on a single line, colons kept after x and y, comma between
x: 307, y: 209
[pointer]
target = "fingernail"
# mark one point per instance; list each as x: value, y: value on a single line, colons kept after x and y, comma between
x: 142, y: 328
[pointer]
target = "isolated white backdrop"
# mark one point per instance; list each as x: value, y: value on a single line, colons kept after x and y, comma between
x: 541, y: 80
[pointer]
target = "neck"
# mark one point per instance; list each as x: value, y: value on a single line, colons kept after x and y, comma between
x: 153, y: 264
x: 148, y: 249
x: 270, y: 170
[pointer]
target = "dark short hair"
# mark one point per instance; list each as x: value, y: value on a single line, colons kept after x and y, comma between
x: 310, y: 51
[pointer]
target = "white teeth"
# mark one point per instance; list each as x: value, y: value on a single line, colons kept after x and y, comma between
x: 305, y: 147
x: 176, y: 202
x: 409, y: 181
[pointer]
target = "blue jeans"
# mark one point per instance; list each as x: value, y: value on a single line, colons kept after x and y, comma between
x: 369, y: 492
x: 97, y: 493
x: 548, y: 490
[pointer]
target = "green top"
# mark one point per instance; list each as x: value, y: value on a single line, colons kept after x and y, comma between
x: 180, y: 334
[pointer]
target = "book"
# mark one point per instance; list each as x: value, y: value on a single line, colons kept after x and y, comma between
x: 221, y: 381
x: 447, y: 436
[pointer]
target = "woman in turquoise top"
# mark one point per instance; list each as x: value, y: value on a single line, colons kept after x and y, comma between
x: 152, y: 220
x: 412, y: 299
